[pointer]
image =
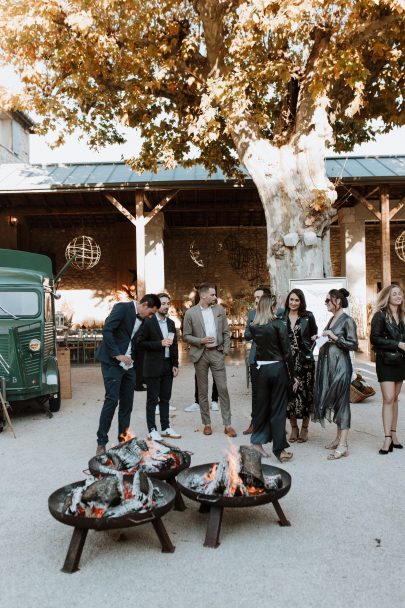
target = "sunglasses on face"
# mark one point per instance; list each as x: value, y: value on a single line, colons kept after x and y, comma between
x: 328, y: 300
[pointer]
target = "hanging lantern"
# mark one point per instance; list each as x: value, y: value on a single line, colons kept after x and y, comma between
x: 400, y: 246
x: 86, y: 250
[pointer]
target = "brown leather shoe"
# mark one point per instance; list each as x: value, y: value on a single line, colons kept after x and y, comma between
x: 207, y: 429
x: 230, y: 431
x: 249, y: 430
x: 100, y: 451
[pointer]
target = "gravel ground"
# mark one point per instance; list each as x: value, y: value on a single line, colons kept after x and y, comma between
x: 344, y: 547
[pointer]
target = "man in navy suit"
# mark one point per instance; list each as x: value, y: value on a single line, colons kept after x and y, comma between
x: 116, y: 354
x: 157, y: 338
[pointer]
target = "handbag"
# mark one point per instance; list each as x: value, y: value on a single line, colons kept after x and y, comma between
x: 392, y: 358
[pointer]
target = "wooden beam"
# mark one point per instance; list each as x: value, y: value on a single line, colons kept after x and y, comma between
x: 363, y: 201
x: 120, y: 207
x: 61, y: 212
x: 147, y: 201
x: 397, y: 208
x: 385, y: 236
x: 140, y: 245
x: 160, y: 206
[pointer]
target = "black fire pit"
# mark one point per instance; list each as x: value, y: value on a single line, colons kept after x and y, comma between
x: 81, y: 525
x: 168, y: 475
x: 215, y: 504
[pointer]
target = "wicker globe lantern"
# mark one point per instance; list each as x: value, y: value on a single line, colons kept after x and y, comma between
x: 86, y: 250
x: 400, y: 246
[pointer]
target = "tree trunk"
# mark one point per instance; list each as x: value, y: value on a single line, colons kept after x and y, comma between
x: 297, y: 196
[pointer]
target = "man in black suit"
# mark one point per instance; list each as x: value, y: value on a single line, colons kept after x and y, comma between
x: 157, y: 338
x: 116, y: 354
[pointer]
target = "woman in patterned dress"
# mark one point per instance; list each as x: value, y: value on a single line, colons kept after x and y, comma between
x: 302, y: 331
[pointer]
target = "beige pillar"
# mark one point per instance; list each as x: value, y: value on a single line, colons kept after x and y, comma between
x: 385, y: 236
x: 353, y: 248
x: 140, y: 245
x: 154, y: 255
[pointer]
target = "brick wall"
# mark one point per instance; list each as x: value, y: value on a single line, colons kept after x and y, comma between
x: 117, y: 243
x: 220, y: 264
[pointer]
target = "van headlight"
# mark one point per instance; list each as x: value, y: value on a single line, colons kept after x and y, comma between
x: 34, y: 345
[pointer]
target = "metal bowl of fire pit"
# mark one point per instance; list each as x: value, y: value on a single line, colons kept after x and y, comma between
x: 234, y: 501
x: 57, y: 507
x: 215, y: 503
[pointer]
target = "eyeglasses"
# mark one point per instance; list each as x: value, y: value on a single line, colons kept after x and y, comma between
x: 327, y: 300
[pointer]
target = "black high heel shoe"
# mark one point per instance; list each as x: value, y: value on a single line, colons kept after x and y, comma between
x: 389, y: 449
x: 399, y: 446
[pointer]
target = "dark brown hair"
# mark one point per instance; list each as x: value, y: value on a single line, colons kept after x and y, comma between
x: 340, y: 294
x: 303, y: 304
x: 204, y: 287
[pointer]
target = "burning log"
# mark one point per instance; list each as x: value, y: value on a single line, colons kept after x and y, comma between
x: 104, y: 490
x: 142, y: 455
x: 112, y: 497
x: 251, y: 466
x: 239, y: 473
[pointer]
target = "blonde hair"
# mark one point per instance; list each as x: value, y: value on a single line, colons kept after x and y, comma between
x: 383, y: 299
x: 264, y: 311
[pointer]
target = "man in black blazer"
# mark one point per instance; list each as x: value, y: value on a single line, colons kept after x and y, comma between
x: 116, y: 354
x: 157, y: 338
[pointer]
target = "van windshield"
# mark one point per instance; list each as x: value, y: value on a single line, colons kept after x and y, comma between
x: 19, y: 304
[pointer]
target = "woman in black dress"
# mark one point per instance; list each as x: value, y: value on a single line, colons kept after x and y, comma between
x: 275, y: 372
x: 388, y: 340
x: 302, y: 331
x: 334, y: 372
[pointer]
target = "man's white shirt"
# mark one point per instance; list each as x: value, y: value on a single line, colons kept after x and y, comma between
x: 209, y: 322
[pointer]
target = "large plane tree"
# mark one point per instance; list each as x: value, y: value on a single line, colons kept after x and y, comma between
x: 266, y: 84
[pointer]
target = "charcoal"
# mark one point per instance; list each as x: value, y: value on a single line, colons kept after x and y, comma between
x: 141, y: 443
x: 104, y: 490
x: 273, y: 482
x: 251, y: 466
x: 143, y: 483
x: 126, y: 455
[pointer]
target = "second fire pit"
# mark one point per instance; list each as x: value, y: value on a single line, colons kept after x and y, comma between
x: 233, y: 484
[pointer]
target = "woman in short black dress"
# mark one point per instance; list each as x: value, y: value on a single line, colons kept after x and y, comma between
x: 302, y: 331
x: 388, y: 340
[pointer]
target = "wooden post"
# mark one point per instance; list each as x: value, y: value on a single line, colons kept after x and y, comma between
x: 385, y: 236
x: 140, y: 245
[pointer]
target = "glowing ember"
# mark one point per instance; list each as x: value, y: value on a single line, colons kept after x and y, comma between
x: 126, y: 435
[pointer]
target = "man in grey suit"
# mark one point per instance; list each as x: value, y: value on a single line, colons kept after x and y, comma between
x: 259, y: 291
x: 206, y: 330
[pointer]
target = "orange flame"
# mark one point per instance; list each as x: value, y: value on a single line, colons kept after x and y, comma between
x: 127, y: 490
x: 126, y: 435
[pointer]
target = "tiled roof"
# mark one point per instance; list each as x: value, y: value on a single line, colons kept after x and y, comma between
x: 83, y: 176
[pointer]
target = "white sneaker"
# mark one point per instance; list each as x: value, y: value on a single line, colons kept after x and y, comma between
x: 215, y: 406
x: 170, y: 432
x: 171, y: 407
x: 194, y: 407
x: 155, y: 435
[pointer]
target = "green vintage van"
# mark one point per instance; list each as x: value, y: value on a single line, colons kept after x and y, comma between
x: 28, y: 365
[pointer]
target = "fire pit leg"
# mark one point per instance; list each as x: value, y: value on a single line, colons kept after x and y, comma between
x: 178, y: 501
x: 167, y: 546
x: 75, y: 550
x: 283, y: 521
x: 213, y: 527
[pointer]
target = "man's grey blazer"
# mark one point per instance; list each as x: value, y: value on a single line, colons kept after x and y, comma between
x: 194, y: 330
